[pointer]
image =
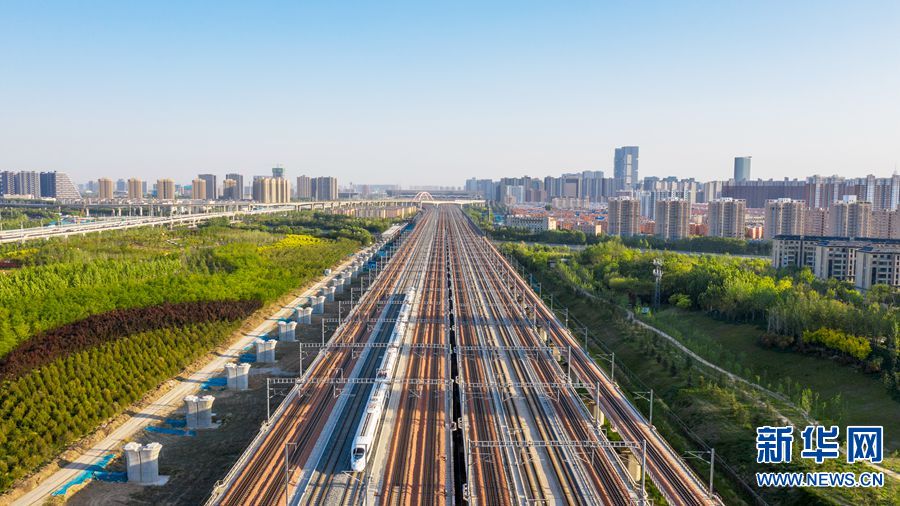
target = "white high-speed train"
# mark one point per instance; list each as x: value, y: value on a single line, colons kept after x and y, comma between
x: 364, y: 441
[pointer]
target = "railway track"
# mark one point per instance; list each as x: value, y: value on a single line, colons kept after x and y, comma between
x: 675, y: 480
x: 261, y: 480
x: 565, y: 477
x: 486, y: 406
x: 416, y: 470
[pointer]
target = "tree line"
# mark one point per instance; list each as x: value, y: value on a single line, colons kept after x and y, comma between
x: 97, y: 329
x: 321, y: 224
x: 48, y: 408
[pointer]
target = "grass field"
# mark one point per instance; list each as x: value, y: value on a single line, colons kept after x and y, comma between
x: 863, y: 398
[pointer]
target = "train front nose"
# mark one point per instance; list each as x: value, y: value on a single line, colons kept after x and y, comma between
x: 358, y: 459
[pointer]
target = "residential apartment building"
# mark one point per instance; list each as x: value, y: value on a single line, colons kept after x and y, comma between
x: 271, y: 190
x: 589, y: 228
x: 304, y: 188
x: 758, y: 193
x: 861, y: 262
x: 326, y: 188
x: 835, y: 259
x: 673, y: 218
x: 710, y: 191
x: 237, y: 193
x: 199, y: 190
x: 105, y: 189
x: 878, y: 265
x: 7, y: 183
x: 886, y: 224
x: 165, y: 189
x: 135, y: 189
x: 882, y: 193
x: 850, y: 218
x: 624, y: 216
x: 231, y: 190
x: 815, y: 222
x: 784, y: 217
x: 794, y: 251
x: 57, y: 185
x: 27, y: 182
x: 726, y: 218
x: 211, y: 187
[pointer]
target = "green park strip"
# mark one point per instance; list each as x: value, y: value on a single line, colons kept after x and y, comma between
x: 827, y: 390
x: 794, y: 311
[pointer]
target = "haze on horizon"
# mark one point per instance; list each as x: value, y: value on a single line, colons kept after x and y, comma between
x: 421, y: 93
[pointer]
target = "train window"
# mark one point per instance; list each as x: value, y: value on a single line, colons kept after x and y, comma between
x: 359, y: 452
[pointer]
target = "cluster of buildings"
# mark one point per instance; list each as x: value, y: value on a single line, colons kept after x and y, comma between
x: 850, y: 240
x: 674, y: 208
x: 862, y: 262
x: 29, y: 184
x: 269, y: 189
x: 842, y: 228
x: 205, y: 187
x: 848, y: 217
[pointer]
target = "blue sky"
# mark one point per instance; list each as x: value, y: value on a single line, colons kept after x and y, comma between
x: 435, y: 92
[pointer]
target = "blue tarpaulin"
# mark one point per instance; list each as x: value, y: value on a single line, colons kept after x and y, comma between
x: 175, y: 422
x: 172, y: 432
x: 247, y: 357
x: 85, y: 475
x: 113, y: 476
x: 213, y: 382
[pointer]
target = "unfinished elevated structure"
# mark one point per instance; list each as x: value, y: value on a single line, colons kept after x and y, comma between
x: 238, y: 376
x: 199, y: 411
x: 142, y: 463
x: 286, y: 331
x: 265, y: 350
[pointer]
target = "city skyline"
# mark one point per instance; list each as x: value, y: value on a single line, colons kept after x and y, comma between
x: 429, y: 92
x: 460, y: 181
